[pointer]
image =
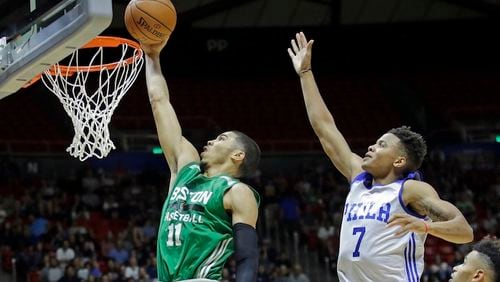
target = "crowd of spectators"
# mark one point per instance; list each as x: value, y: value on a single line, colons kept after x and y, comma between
x: 98, y: 225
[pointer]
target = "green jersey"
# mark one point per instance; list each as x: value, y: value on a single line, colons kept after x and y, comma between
x: 195, y: 237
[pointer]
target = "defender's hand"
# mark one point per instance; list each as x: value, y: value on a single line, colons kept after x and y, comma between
x: 300, y: 53
x: 408, y: 223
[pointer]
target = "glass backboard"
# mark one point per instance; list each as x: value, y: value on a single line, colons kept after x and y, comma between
x: 35, y: 34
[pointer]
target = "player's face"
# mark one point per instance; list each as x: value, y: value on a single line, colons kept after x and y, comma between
x: 219, y: 149
x: 469, y: 270
x: 382, y: 154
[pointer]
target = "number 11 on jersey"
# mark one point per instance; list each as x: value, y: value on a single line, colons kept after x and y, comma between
x: 174, y: 235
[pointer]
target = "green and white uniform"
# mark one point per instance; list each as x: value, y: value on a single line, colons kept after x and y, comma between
x: 195, y: 237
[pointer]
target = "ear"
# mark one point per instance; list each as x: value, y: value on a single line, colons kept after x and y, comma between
x: 400, y: 162
x: 478, y: 276
x: 238, y: 156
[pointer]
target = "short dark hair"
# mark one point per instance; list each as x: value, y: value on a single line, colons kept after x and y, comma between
x: 252, y: 154
x: 491, y: 249
x: 413, y: 145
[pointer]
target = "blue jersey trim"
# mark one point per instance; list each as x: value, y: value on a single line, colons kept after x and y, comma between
x: 414, y: 260
x: 402, y: 203
x: 367, y: 180
x: 410, y: 260
x: 364, y: 177
x: 359, y: 177
x: 407, y: 265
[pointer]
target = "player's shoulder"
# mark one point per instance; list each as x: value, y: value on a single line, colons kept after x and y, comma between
x: 415, y: 189
x: 244, y: 191
x: 240, y: 187
x: 417, y: 184
x: 230, y: 181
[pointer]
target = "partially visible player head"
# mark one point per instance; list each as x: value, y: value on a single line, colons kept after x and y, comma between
x: 482, y: 264
x: 400, y: 149
x: 232, y: 149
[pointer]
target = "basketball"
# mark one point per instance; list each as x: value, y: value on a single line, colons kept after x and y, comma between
x: 150, y: 21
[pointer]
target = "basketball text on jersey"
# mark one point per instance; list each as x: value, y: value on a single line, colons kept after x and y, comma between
x: 181, y: 212
x: 181, y: 194
x: 177, y: 216
x: 367, y: 211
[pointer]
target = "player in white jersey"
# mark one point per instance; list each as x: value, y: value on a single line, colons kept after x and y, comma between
x: 388, y: 210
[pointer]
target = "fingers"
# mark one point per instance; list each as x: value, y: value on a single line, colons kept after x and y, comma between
x: 406, y: 224
x: 397, y: 222
x: 399, y: 216
x: 300, y: 41
x: 309, y: 45
x: 290, y: 53
x: 303, y: 40
x: 295, y: 47
x: 403, y: 224
x: 402, y: 231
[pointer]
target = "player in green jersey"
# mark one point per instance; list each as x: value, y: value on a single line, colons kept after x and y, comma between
x: 208, y: 213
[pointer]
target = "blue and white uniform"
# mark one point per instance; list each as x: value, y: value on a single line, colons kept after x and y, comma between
x: 369, y: 251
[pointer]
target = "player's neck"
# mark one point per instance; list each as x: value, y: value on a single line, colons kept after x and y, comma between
x: 220, y: 169
x: 385, y: 179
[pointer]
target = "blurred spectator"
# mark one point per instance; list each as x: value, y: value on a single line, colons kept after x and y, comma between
x: 290, y: 212
x: 297, y: 275
x: 326, y: 230
x: 38, y: 227
x: 262, y: 274
x: 65, y: 254
x: 54, y: 271
x: 69, y: 275
x: 95, y: 270
x: 114, y: 272
x: 282, y: 274
x: 3, y: 214
x: 84, y: 270
x: 226, y: 275
x: 89, y: 181
x: 118, y: 253
x: 151, y: 267
x: 148, y: 230
x: 132, y: 269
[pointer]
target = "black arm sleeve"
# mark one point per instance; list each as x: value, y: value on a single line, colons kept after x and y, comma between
x: 246, y: 252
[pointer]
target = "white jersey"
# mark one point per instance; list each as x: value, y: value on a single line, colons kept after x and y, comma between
x: 369, y: 251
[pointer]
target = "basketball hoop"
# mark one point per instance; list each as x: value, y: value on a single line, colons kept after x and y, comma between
x: 91, y: 111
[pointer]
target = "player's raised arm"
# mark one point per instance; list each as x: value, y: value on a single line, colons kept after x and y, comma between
x: 177, y: 150
x: 322, y: 122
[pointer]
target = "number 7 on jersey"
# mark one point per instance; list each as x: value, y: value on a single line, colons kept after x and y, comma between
x: 355, y: 231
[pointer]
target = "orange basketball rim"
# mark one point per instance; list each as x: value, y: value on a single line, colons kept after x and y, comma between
x: 97, y: 42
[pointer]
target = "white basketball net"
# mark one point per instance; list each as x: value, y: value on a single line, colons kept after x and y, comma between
x: 91, y: 112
